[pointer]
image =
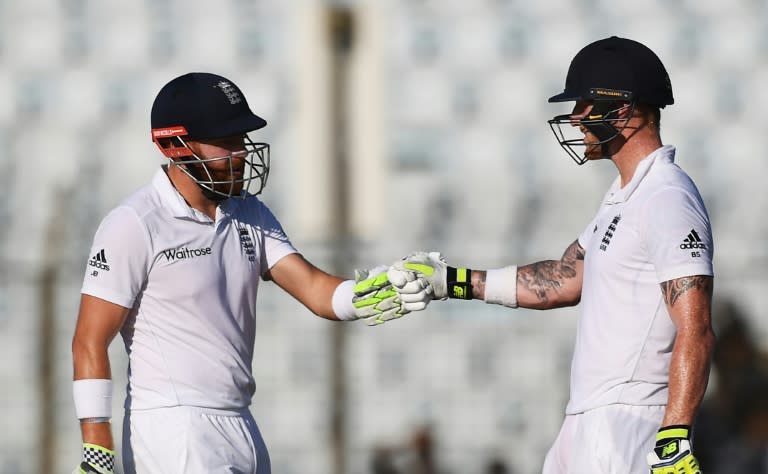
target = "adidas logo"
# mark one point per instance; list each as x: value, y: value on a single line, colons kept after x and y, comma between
x: 99, y: 261
x: 693, y: 241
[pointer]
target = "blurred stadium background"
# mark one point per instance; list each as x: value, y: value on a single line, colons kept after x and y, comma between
x: 395, y: 125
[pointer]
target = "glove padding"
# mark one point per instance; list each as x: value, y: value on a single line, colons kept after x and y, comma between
x: 96, y: 460
x: 427, y: 266
x: 376, y: 300
x: 673, y: 453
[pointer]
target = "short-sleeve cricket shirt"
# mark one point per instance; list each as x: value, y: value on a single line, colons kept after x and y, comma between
x: 191, y: 284
x: 652, y: 230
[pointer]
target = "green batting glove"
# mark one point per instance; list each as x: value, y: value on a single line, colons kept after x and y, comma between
x: 673, y: 453
x: 375, y: 300
x: 96, y: 460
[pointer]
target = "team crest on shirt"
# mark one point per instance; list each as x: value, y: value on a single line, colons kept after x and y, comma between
x: 609, y: 233
x: 246, y: 242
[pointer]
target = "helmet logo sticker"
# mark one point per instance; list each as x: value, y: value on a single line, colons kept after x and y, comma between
x: 229, y: 90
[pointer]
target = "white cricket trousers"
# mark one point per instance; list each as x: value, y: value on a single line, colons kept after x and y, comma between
x: 192, y: 440
x: 613, y: 439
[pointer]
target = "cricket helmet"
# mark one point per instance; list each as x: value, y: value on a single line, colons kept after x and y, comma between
x: 204, y: 106
x: 611, y: 73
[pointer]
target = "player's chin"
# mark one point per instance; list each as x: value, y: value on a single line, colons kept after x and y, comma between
x: 593, y: 152
x: 229, y: 189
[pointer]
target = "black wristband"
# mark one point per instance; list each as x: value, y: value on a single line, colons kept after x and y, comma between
x: 458, y: 282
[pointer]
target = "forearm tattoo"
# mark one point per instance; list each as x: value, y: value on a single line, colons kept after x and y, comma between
x: 550, y: 275
x: 674, y: 289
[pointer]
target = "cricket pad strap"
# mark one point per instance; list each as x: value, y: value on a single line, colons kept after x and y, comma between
x: 458, y: 283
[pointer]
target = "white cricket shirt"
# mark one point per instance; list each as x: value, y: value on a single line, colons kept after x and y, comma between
x: 191, y: 284
x: 653, y: 230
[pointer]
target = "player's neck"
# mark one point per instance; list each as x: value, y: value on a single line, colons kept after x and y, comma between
x: 191, y: 192
x: 633, y: 152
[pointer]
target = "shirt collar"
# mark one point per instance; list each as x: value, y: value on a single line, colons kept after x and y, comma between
x: 173, y: 200
x: 616, y: 194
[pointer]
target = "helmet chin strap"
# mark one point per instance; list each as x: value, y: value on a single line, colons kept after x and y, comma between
x: 606, y: 151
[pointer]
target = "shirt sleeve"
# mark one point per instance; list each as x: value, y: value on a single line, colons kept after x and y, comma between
x: 275, y: 242
x: 586, y: 236
x: 678, y: 235
x: 119, y: 260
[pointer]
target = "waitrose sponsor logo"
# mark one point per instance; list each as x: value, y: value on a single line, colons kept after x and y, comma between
x: 184, y: 252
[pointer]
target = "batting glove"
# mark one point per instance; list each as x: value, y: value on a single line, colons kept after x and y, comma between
x: 375, y: 300
x: 443, y: 281
x: 96, y: 460
x: 673, y: 454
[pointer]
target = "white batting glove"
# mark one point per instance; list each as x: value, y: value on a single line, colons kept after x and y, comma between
x: 443, y: 280
x: 430, y: 266
x: 414, y: 291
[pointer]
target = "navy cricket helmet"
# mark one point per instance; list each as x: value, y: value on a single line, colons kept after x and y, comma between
x: 611, y: 73
x: 205, y: 106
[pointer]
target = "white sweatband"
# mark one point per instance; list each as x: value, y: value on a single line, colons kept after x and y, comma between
x: 93, y: 398
x: 501, y: 286
x: 342, y: 301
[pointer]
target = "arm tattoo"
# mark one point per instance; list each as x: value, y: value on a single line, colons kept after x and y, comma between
x: 674, y: 289
x: 574, y: 252
x: 543, y: 277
